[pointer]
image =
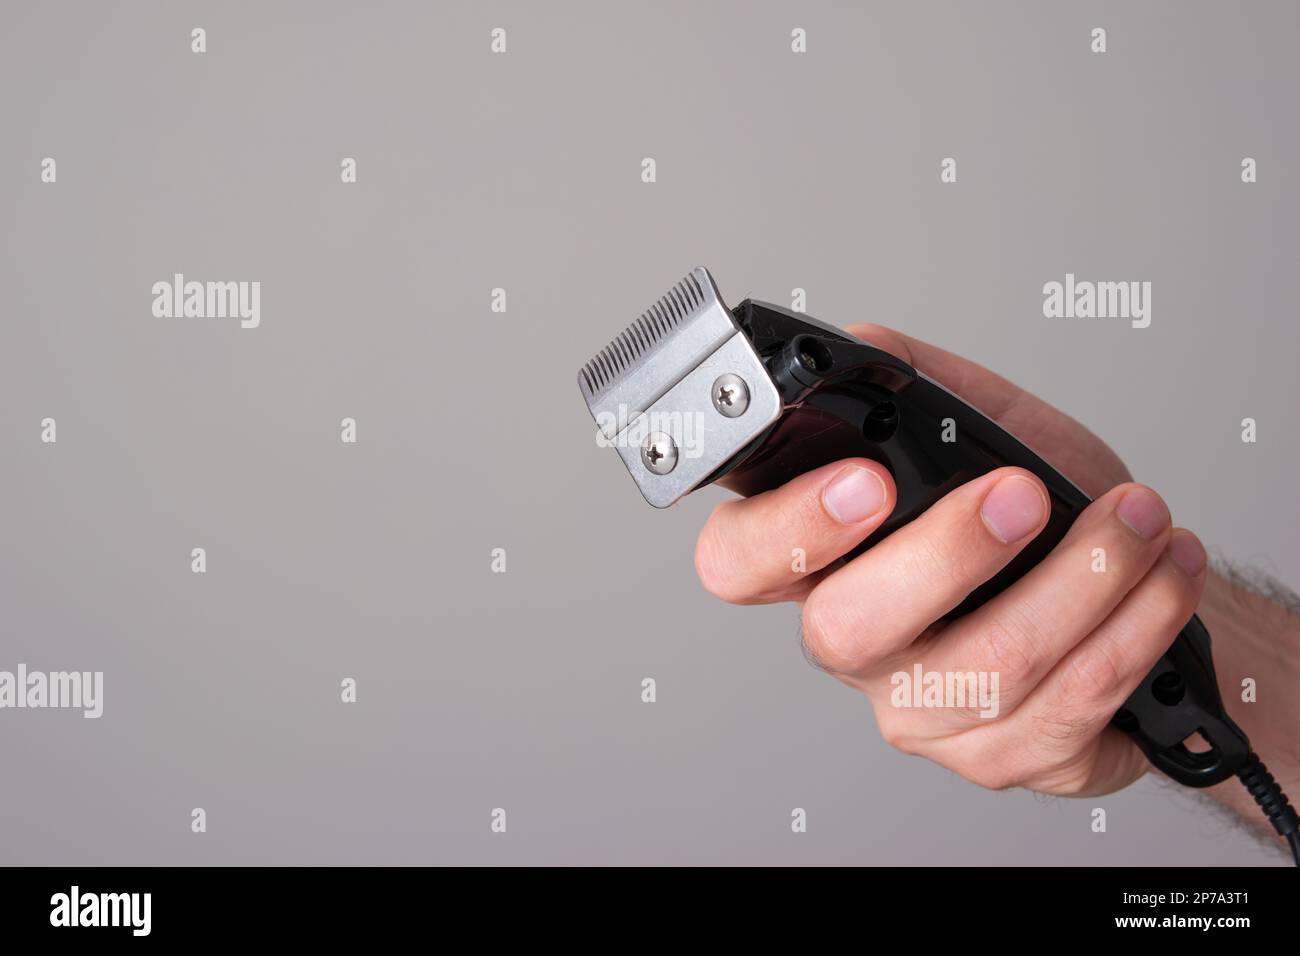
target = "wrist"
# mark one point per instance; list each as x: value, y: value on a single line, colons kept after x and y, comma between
x: 1256, y: 646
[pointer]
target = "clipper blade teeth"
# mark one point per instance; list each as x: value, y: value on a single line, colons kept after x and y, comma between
x: 637, y: 339
x: 658, y: 378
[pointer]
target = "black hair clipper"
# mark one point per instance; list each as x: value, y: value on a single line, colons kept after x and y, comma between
x: 693, y: 393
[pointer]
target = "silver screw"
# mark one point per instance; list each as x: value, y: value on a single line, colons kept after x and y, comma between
x: 730, y: 395
x: 659, y: 453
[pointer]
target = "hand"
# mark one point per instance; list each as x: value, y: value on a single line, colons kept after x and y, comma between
x: 1066, y: 643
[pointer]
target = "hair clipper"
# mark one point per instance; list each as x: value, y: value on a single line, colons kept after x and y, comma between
x: 693, y: 393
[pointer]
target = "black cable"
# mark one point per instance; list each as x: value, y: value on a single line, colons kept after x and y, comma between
x: 1272, y: 801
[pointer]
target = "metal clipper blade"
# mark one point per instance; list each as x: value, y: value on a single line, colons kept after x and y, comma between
x: 679, y: 391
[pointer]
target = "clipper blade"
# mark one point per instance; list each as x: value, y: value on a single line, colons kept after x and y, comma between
x: 652, y: 391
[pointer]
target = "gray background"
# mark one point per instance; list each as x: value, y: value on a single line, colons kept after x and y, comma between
x: 522, y: 690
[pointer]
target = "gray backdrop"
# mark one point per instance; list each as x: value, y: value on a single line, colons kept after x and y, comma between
x: 522, y: 170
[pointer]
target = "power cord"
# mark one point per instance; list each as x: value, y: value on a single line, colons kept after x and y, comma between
x: 1272, y: 801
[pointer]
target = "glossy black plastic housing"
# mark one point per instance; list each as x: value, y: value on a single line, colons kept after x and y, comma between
x: 846, y: 398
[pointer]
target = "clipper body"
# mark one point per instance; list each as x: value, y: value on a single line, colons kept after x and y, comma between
x: 817, y: 395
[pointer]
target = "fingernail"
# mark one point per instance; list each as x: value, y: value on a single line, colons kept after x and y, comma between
x: 1143, y: 511
x: 1013, y: 508
x: 854, y: 495
x: 1188, y: 553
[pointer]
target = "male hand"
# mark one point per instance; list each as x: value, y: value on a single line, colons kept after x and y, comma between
x: 1068, y: 643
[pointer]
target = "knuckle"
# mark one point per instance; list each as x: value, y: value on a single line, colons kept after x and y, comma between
x: 1177, y: 596
x: 1064, y: 730
x: 1065, y: 777
x: 988, y: 758
x: 828, y: 641
x: 707, y: 569
x: 715, y: 570
x: 1093, y: 672
x: 1006, y: 644
x: 992, y: 774
x: 1166, y: 598
x: 933, y: 566
x: 890, y: 722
